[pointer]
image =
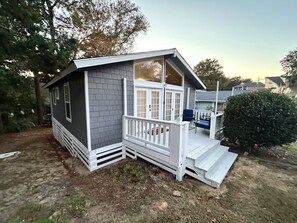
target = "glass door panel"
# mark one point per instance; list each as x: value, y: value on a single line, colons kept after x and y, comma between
x: 141, y: 106
x: 177, y: 102
x: 168, y: 105
x: 155, y: 104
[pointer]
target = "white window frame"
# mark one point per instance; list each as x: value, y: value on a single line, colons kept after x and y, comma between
x: 54, y: 96
x: 177, y: 71
x: 69, y: 119
x: 135, y: 62
x: 57, y: 93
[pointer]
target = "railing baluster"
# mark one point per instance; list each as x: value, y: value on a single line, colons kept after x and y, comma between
x: 138, y: 129
x: 159, y: 133
x: 150, y: 131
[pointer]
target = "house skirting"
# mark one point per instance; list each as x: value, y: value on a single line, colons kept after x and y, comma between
x: 94, y: 159
x: 107, y: 155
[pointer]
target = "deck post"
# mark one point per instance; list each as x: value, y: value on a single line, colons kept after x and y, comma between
x: 125, y: 95
x: 124, y: 130
x: 177, y: 146
x: 212, y: 129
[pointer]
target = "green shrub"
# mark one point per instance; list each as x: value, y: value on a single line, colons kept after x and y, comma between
x: 18, y: 125
x: 261, y: 119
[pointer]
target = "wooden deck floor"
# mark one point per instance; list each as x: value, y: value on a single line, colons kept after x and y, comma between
x: 197, y: 140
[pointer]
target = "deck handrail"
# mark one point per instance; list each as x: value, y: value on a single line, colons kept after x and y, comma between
x: 216, y: 125
x: 165, y: 140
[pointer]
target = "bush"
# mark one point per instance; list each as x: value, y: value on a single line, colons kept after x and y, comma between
x: 18, y: 125
x: 261, y: 118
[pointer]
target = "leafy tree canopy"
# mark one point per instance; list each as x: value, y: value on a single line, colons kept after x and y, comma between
x: 210, y: 71
x: 104, y: 27
x: 289, y: 64
x: 43, y: 36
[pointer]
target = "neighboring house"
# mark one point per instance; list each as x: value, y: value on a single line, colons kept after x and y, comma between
x: 249, y: 86
x: 205, y: 100
x: 275, y: 84
x: 108, y: 108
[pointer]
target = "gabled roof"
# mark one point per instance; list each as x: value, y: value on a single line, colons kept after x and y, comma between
x: 251, y: 84
x: 97, y: 61
x: 222, y: 96
x: 277, y: 80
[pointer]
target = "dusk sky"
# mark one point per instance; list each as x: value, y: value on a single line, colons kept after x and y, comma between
x: 249, y: 38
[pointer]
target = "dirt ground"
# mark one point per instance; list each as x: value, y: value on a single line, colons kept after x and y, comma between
x: 45, y: 184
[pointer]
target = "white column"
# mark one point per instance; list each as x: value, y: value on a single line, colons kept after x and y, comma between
x: 87, y: 103
x: 125, y: 95
x: 188, y: 97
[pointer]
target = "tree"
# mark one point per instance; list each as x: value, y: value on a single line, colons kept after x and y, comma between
x: 31, y: 43
x: 233, y: 81
x: 104, y: 27
x: 289, y: 64
x: 260, y: 118
x: 43, y: 36
x: 210, y: 71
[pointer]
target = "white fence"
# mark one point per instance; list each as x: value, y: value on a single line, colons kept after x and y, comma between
x: 162, y: 141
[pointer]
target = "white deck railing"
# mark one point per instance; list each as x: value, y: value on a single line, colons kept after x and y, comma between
x: 202, y: 114
x: 163, y: 140
x: 216, y: 125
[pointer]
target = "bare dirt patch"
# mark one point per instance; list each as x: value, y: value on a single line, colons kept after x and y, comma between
x: 45, y: 184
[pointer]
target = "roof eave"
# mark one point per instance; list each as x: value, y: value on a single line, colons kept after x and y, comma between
x: 72, y: 67
x: 177, y: 54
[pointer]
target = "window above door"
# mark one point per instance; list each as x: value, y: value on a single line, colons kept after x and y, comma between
x: 149, y: 70
x: 172, y: 76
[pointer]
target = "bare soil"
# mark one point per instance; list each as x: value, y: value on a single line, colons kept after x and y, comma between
x: 45, y: 184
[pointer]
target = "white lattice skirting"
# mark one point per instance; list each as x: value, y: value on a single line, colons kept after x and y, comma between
x: 94, y: 159
x: 103, y: 156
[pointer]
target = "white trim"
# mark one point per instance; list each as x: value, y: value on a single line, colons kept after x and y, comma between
x: 69, y: 119
x: 52, y: 110
x: 179, y: 72
x: 189, y: 68
x: 90, y: 62
x: 173, y: 87
x: 87, y: 104
x: 125, y: 95
x: 188, y: 97
x: 147, y: 84
x: 54, y: 96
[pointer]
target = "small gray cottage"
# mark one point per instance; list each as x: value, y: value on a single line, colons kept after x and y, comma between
x: 107, y: 108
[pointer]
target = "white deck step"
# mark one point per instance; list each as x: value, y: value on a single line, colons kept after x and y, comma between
x: 203, y: 150
x: 212, y: 157
x: 220, y: 169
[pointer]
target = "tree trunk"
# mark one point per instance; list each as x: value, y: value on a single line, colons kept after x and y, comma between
x: 39, y: 109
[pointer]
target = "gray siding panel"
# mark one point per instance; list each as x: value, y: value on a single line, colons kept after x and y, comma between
x: 188, y: 84
x: 106, y: 102
x: 77, y: 126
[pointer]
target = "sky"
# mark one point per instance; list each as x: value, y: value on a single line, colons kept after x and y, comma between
x: 248, y: 37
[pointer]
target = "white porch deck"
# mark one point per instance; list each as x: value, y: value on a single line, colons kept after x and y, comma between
x: 176, y: 148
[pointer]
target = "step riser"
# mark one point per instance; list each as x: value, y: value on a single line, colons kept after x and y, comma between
x: 206, y: 153
x: 212, y: 158
x: 216, y: 163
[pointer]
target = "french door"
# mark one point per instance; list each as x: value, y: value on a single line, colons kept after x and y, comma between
x: 173, y: 100
x: 148, y: 103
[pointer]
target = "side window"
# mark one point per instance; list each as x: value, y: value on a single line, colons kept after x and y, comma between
x: 57, y: 93
x: 67, y: 102
x: 54, y: 96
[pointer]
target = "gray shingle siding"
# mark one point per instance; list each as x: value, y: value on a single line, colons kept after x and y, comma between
x: 106, y: 102
x: 187, y: 84
x: 77, y: 126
